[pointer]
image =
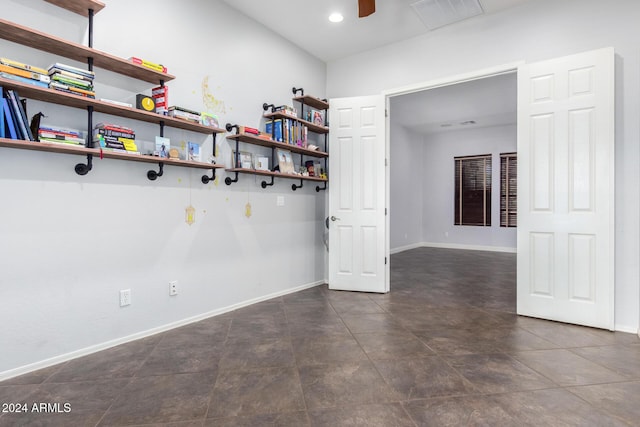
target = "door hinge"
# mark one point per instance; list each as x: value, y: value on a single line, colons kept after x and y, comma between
x: 386, y: 112
x: 385, y: 260
x: 385, y: 211
x: 386, y: 162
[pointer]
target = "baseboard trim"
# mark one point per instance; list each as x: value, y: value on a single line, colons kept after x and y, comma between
x: 405, y: 248
x: 452, y: 246
x: 626, y: 329
x: 108, y: 344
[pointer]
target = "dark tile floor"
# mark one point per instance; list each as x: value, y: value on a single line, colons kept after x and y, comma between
x: 443, y: 348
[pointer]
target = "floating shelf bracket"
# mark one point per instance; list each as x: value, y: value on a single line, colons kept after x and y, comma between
x: 295, y: 187
x: 82, y: 169
x: 296, y: 90
x: 273, y: 107
x: 266, y: 184
x: 229, y: 127
x: 318, y: 188
x: 206, y: 179
x: 153, y: 175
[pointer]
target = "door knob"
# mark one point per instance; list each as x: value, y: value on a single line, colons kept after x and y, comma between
x: 333, y: 218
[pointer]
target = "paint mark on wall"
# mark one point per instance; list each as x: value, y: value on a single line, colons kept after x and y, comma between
x: 211, y: 103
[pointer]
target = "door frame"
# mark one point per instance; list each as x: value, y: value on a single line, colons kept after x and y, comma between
x: 497, y: 70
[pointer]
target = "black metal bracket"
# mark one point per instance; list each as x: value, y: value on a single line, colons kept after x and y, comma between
x: 230, y: 181
x: 318, y: 188
x: 229, y: 127
x: 296, y: 90
x: 266, y: 184
x: 266, y: 106
x: 295, y: 187
x: 206, y: 179
x: 153, y: 175
x: 82, y: 169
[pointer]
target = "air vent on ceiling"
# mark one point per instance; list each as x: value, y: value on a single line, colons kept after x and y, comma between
x: 438, y: 13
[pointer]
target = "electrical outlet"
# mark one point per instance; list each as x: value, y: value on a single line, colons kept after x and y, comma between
x: 125, y: 297
x: 173, y: 287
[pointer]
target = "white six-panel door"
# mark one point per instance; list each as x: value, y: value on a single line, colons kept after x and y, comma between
x: 357, y: 238
x: 565, y: 258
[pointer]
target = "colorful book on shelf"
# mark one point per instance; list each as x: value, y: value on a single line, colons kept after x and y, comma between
x: 23, y: 79
x: 274, y: 128
x: 24, y: 73
x: 26, y: 67
x: 73, y: 89
x: 116, y: 133
x: 19, y: 115
x: 66, y: 73
x: 57, y: 134
x: 118, y: 143
x: 114, y: 127
x: 70, y: 81
x: 8, y: 119
x: 64, y: 67
x: 148, y: 64
x: 249, y: 130
x: 160, y: 95
x: 2, y: 126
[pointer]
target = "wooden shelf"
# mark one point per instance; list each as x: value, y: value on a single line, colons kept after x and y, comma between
x: 45, y: 42
x: 96, y: 152
x: 250, y: 139
x: 62, y: 98
x: 313, y: 102
x: 81, y: 7
x: 312, y: 126
x: 276, y: 174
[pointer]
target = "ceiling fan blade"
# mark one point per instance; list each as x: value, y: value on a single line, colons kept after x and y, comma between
x: 366, y: 7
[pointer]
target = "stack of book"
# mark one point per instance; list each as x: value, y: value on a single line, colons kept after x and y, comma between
x: 60, y: 135
x: 13, y: 70
x: 184, y: 114
x: 160, y: 95
x: 73, y: 80
x: 114, y: 137
x: 13, y: 113
x: 286, y: 109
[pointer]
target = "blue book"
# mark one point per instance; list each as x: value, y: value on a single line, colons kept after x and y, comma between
x: 19, y: 115
x: 23, y: 80
x: 9, y: 119
x: 1, y: 114
x: 276, y: 133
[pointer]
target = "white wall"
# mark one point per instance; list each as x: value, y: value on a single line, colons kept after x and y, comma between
x: 438, y: 206
x: 68, y: 243
x: 537, y: 30
x: 406, y: 188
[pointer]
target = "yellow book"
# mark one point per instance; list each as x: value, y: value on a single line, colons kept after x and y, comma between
x: 16, y: 64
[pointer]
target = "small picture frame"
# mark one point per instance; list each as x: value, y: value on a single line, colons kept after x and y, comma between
x: 285, y: 161
x: 208, y: 119
x: 261, y: 163
x: 244, y: 161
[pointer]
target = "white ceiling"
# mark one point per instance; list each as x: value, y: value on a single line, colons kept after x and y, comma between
x: 305, y: 23
x: 488, y: 102
x: 491, y: 101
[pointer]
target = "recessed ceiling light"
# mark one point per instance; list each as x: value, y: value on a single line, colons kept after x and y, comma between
x: 336, y: 17
x: 468, y: 122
